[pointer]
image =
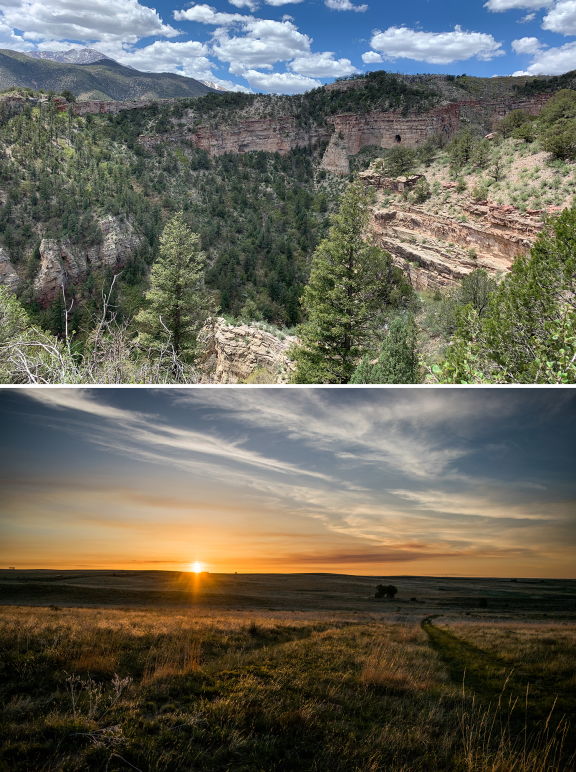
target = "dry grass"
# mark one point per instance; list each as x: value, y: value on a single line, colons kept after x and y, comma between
x: 84, y: 689
x: 548, y: 649
x: 403, y: 662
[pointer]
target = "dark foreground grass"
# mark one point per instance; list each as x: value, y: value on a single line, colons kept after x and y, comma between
x: 154, y: 690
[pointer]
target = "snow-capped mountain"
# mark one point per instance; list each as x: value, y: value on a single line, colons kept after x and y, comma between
x: 211, y: 84
x: 73, y: 56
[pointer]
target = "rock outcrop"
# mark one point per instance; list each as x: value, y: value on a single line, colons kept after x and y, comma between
x: 62, y: 263
x: 228, y: 354
x: 436, y: 250
x: 8, y: 276
x: 354, y: 131
x: 272, y: 135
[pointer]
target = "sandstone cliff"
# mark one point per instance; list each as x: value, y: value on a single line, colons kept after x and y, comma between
x: 437, y: 250
x: 354, y: 131
x: 272, y: 135
x: 228, y: 354
x: 8, y: 276
x: 62, y: 263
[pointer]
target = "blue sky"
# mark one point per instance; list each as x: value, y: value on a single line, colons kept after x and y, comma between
x: 364, y: 481
x: 290, y: 46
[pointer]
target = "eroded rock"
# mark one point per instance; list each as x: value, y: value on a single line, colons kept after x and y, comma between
x: 437, y: 250
x: 228, y: 354
x: 8, y: 276
x: 62, y: 263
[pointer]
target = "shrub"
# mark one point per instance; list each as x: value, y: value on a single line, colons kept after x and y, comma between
x: 422, y: 191
x: 385, y: 591
x: 480, y: 193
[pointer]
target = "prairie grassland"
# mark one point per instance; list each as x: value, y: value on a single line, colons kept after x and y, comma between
x: 163, y: 691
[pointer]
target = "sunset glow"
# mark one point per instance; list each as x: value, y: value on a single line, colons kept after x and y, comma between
x: 353, y: 481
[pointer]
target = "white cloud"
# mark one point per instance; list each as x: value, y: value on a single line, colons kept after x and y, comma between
x: 322, y: 65
x: 279, y: 82
x: 8, y: 39
x: 526, y: 46
x: 562, y: 19
x: 265, y: 43
x: 371, y: 57
x: 435, y: 47
x: 344, y: 5
x: 525, y: 19
x: 109, y: 21
x: 552, y: 61
x: 252, y: 5
x: 205, y: 14
x: 187, y: 58
x: 497, y: 6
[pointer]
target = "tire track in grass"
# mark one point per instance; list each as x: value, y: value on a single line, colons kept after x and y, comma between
x: 492, y: 678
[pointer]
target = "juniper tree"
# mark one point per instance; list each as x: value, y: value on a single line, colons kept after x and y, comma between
x: 351, y: 283
x: 398, y: 361
x: 177, y: 303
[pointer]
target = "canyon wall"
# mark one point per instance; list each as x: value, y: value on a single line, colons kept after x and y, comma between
x: 8, y: 276
x: 437, y: 251
x: 273, y: 135
x: 229, y: 354
x: 62, y: 263
x: 493, y: 110
x: 354, y: 131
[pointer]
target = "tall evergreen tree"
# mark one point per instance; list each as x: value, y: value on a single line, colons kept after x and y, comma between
x: 398, y: 361
x: 177, y: 303
x: 351, y: 283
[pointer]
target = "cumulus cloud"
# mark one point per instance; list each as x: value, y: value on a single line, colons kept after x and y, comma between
x: 526, y: 46
x: 497, y: 6
x: 562, y: 19
x: 525, y: 19
x: 205, y: 14
x: 187, y: 58
x: 265, y: 43
x: 8, y: 39
x: 322, y: 65
x: 435, y: 47
x: 344, y: 5
x: 371, y: 57
x: 109, y: 21
x: 252, y: 5
x: 552, y: 61
x: 279, y: 82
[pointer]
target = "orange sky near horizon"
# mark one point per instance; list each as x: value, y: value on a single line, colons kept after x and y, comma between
x: 361, y: 482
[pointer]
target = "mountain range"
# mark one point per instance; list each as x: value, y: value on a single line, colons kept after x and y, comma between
x: 88, y: 77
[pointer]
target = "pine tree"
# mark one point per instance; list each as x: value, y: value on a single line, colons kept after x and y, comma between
x: 177, y: 303
x: 398, y: 361
x: 351, y: 283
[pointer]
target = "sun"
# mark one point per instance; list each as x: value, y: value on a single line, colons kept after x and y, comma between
x: 197, y: 568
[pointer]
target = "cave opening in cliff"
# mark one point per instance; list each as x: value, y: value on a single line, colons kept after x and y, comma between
x: 398, y: 138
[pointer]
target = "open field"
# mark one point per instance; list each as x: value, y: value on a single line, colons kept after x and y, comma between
x: 236, y: 673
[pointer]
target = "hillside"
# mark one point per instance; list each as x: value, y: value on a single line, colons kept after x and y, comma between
x: 104, y: 79
x: 257, y: 177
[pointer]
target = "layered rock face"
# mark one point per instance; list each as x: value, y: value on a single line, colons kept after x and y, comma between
x: 8, y: 276
x: 277, y: 135
x: 493, y: 110
x: 272, y: 135
x: 437, y: 251
x: 354, y: 131
x: 61, y: 263
x: 228, y: 354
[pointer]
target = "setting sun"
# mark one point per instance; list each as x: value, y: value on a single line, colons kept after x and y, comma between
x: 197, y: 568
